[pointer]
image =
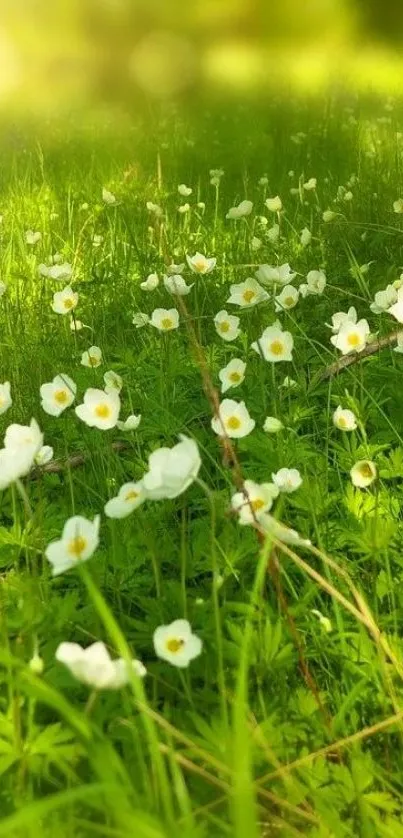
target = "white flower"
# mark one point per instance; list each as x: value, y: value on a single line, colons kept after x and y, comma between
x: 21, y: 445
x: 184, y: 190
x: 3, y: 288
x: 341, y: 318
x: 99, y: 409
x: 58, y: 394
x: 155, y: 209
x: 184, y: 208
x: 176, y: 644
x: 92, y: 357
x: 140, y: 319
x: 305, y: 237
x: 165, y: 319
x: 241, y: 210
x: 95, y: 668
x: 344, y: 420
x: 399, y: 347
x: 328, y: 215
x: 287, y: 299
x: 97, y: 240
x: 130, y: 424
x: 272, y: 425
x: 324, y: 621
x: 310, y: 184
x: 273, y: 234
x: 216, y: 175
x: 108, y: 197
x: 246, y: 294
x: 233, y: 420
x: 287, y: 479
x: 58, y: 272
x: 227, y: 325
x: 232, y: 375
x: 271, y: 275
x: 173, y: 269
x: 151, y: 283
x: 129, y: 497
x: 176, y: 285
x: 274, y: 204
x: 396, y: 310
x: 256, y: 243
x: 200, y: 264
x: 5, y: 397
x: 363, y: 473
x: 398, y: 205
x: 383, y: 300
x: 274, y: 345
x: 32, y: 237
x: 113, y: 382
x: 263, y: 181
x: 257, y: 498
x: 44, y: 455
x: 351, y: 337
x: 80, y: 539
x: 77, y: 325
x: 172, y: 470
x: 65, y: 301
x: 315, y: 283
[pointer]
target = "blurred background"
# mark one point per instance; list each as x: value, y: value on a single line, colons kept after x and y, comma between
x: 59, y: 55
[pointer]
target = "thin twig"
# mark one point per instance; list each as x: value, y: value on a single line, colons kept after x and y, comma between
x: 347, y: 360
x: 74, y: 461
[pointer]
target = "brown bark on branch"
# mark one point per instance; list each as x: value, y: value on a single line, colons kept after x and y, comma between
x: 347, y: 360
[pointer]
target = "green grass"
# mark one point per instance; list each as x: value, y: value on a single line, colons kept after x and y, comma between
x: 208, y: 750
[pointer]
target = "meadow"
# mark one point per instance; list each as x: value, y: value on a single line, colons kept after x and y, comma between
x: 201, y: 408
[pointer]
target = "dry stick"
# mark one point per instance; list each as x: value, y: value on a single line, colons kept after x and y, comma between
x: 348, y: 360
x: 72, y: 462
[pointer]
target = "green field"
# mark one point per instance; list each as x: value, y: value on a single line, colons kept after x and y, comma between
x: 286, y: 719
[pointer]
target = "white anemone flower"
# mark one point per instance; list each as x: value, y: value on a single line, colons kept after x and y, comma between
x: 233, y: 420
x: 272, y: 425
x: 176, y: 285
x: 99, y: 409
x: 176, y: 644
x: 174, y: 269
x: 383, y: 300
x: 256, y: 499
x: 287, y: 479
x: 80, y: 539
x: 344, y: 420
x: 184, y: 190
x: 151, y: 283
x: 108, y: 197
x: 155, y: 209
x: 200, y: 264
x: 315, y: 283
x: 44, y: 455
x: 275, y: 275
x: 5, y: 397
x: 398, y: 206
x: 363, y: 473
x: 113, y: 382
x: 310, y: 184
x: 396, y: 310
x: 21, y: 445
x: 165, y: 320
x: 58, y: 394
x: 92, y: 357
x: 328, y: 216
x: 341, y: 317
x: 242, y: 210
x: 287, y: 299
x: 65, y: 301
x: 351, y: 337
x: 184, y: 208
x: 247, y: 294
x: 172, y: 470
x: 32, y: 237
x: 274, y: 204
x: 273, y: 233
x: 129, y: 497
x: 227, y: 325
x: 305, y: 237
x: 274, y: 344
x: 140, y: 319
x: 95, y: 668
x: 232, y: 375
x: 59, y: 272
x: 130, y: 424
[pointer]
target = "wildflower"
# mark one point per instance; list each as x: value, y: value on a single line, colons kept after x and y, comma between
x: 328, y: 216
x: 399, y: 347
x: 129, y: 497
x: 272, y: 425
x: 44, y: 455
x: 396, y: 310
x: 184, y: 208
x: 95, y: 668
x: 274, y: 345
x: 3, y: 288
x: 341, y: 318
x: 58, y: 394
x: 97, y: 240
x: 172, y: 470
x: 200, y: 264
x: 287, y: 480
x: 256, y: 243
x: 315, y: 283
x: 351, y: 337
x: 363, y: 473
x: 151, y: 283
x: 273, y: 234
x: 92, y: 357
x: 165, y: 319
x: 247, y: 294
x: 176, y: 285
x: 155, y: 209
x: 77, y: 325
x: 274, y: 204
x: 305, y: 237
x: 232, y: 375
x: 344, y: 420
x: 57, y: 272
x: 184, y: 190
x: 324, y: 621
x: 108, y: 197
x: 241, y: 210
x: 215, y: 176
x: 287, y: 299
x: 65, y: 301
x: 270, y: 275
x: 5, y: 397
x: 99, y: 409
x: 21, y: 445
x: 227, y: 325
x: 233, y: 420
x: 140, y: 319
x: 310, y: 185
x: 130, y: 424
x: 383, y: 300
x: 175, y: 270
x: 32, y: 237
x: 80, y: 539
x: 176, y: 644
x: 398, y: 206
x: 36, y: 664
x: 256, y: 499
x: 201, y: 205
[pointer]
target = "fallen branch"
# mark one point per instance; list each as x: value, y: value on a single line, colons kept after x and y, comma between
x: 56, y: 466
x: 348, y: 360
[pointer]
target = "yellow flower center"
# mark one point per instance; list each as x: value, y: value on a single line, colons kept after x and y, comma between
x: 366, y: 470
x: 224, y: 326
x: 166, y: 323
x: 92, y: 360
x: 289, y: 301
x: 174, y: 644
x: 103, y: 411
x: 77, y: 546
x: 131, y: 495
x: 257, y: 504
x: 68, y: 303
x: 342, y: 422
x: 233, y: 423
x: 199, y: 264
x: 60, y: 396
x: 276, y: 347
x: 248, y: 295
x: 235, y: 377
x: 353, y: 339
